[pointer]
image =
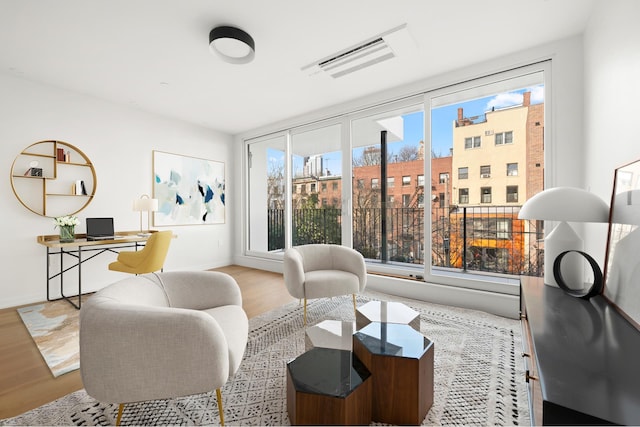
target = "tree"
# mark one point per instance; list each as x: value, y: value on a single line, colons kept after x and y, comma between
x: 407, y: 153
x: 370, y: 157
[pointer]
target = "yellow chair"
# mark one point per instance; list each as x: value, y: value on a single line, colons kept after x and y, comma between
x: 148, y: 259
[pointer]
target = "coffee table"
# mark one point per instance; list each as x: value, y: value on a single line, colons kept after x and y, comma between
x: 330, y: 334
x: 400, y: 360
x: 387, y: 312
x: 328, y: 386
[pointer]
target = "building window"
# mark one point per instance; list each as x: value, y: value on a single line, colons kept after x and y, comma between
x: 512, y: 169
x: 463, y: 173
x: 485, y: 171
x: 444, y: 177
x: 324, y: 187
x: 441, y: 200
x: 485, y: 195
x: 503, y: 228
x: 334, y: 201
x: 406, y: 200
x: 504, y: 138
x: 391, y: 182
x: 463, y: 196
x: 472, y: 142
x: 361, y: 184
x: 334, y: 186
x: 420, y: 180
x: 374, y: 182
x: 421, y: 200
x: 512, y: 193
x: 390, y: 201
x: 325, y: 203
x: 313, y: 187
x: 406, y: 180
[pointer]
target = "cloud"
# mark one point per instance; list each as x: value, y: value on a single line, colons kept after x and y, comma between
x: 510, y: 99
x: 537, y: 94
x: 503, y: 100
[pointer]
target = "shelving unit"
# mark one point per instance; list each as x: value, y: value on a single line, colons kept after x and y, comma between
x: 52, y: 192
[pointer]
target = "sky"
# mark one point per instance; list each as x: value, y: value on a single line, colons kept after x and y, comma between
x: 442, y: 119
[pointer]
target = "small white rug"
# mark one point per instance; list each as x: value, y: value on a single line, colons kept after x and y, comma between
x: 479, y: 377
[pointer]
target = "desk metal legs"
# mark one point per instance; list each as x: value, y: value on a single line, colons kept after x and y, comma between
x: 77, y: 254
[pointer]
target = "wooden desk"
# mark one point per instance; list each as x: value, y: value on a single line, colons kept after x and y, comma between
x: 75, y: 249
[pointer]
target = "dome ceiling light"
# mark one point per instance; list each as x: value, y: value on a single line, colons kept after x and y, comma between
x: 232, y: 45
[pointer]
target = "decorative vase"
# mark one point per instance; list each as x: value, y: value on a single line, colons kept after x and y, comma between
x: 67, y: 233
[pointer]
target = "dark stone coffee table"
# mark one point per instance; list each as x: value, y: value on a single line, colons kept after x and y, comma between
x: 400, y: 360
x: 328, y: 386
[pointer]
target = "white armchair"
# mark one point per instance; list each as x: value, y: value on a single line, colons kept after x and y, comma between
x: 160, y: 336
x: 323, y: 270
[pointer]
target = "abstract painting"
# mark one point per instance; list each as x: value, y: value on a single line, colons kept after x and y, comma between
x: 189, y: 190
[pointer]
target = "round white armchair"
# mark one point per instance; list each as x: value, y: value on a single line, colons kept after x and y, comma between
x: 324, y: 270
x: 160, y: 336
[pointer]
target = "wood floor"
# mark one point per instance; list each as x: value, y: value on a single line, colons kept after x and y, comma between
x: 25, y: 379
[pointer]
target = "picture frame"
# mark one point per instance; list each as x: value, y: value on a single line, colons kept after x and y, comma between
x: 189, y: 190
x: 622, y: 264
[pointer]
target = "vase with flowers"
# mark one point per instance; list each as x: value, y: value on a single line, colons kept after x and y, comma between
x: 67, y: 226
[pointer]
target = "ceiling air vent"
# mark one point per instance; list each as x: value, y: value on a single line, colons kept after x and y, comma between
x: 372, y: 51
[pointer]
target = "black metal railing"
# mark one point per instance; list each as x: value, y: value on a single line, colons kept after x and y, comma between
x: 490, y: 239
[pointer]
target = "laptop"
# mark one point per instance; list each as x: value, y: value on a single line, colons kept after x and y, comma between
x: 100, y: 229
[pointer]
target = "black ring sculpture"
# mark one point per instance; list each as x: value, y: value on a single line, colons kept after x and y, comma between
x: 595, y: 288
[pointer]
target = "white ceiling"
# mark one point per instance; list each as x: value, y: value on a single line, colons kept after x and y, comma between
x: 154, y: 54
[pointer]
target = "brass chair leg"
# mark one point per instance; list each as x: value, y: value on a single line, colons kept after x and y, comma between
x: 305, y: 312
x: 220, y: 411
x: 120, y: 410
x: 354, y: 304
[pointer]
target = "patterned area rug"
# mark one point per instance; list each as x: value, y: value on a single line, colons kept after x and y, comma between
x: 54, y: 328
x: 479, y: 378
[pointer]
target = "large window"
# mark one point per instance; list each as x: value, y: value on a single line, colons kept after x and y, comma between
x: 492, y: 173
x: 485, y: 146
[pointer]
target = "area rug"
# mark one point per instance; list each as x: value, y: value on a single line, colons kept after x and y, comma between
x: 54, y: 328
x: 479, y: 378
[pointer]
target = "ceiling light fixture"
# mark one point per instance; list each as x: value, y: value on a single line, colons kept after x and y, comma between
x: 232, y: 45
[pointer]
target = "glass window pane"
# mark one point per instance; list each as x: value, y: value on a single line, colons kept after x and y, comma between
x: 509, y: 115
x: 316, y: 161
x: 393, y: 232
x: 267, y: 194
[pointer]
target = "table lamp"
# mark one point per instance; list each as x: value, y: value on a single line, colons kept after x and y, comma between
x: 148, y: 205
x: 564, y: 204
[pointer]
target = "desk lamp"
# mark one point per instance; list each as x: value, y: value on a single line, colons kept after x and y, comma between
x: 564, y: 204
x: 148, y: 205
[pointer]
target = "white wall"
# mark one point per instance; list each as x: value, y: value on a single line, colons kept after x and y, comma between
x: 119, y: 141
x: 612, y: 100
x: 564, y: 164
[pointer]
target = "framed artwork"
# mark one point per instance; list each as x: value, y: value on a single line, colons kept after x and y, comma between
x: 622, y: 264
x: 190, y: 190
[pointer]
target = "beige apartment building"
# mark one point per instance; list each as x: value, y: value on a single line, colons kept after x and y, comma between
x: 497, y: 164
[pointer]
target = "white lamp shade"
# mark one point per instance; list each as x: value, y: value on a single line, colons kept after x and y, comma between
x: 145, y: 204
x: 565, y: 204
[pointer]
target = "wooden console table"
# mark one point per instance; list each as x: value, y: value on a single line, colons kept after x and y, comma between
x: 75, y: 249
x: 581, y: 358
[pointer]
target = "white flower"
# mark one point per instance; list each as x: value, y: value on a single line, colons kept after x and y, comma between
x: 66, y: 221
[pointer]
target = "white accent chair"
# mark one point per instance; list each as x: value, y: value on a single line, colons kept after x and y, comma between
x: 323, y: 270
x: 162, y: 335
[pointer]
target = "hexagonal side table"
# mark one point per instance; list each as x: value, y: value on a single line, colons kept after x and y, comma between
x: 328, y: 386
x: 401, y: 364
x: 387, y: 312
x: 330, y: 334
